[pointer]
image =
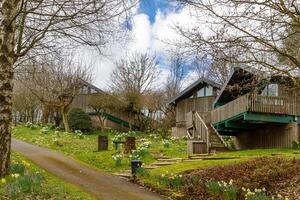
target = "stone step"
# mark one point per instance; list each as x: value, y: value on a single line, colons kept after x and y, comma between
x: 196, y: 157
x: 220, y: 158
x: 200, y: 154
x: 191, y: 160
x: 163, y: 163
x: 150, y: 167
x: 162, y: 157
x: 169, y: 159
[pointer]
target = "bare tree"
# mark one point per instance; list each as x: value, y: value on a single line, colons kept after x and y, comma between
x: 177, y: 73
x: 136, y: 73
x: 25, y: 104
x: 30, y: 28
x: 214, y: 67
x: 248, y: 33
x: 133, y: 78
x: 55, y: 84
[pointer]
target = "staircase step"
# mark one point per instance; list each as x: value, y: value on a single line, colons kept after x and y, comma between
x: 163, y: 163
x: 199, y: 154
x: 162, y: 157
x: 169, y: 159
x: 192, y: 160
x: 197, y: 157
x: 150, y: 167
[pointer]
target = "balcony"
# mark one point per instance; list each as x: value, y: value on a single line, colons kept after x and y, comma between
x: 258, y: 108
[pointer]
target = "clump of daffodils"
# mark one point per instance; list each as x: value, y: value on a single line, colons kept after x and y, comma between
x: 45, y: 130
x: 16, y: 175
x: 222, y: 188
x: 118, y: 159
x: 166, y: 143
x: 2, y: 181
x: 135, y: 155
x: 141, y: 151
x: 261, y: 194
x: 25, y: 163
x: 280, y: 197
x: 153, y: 136
x: 57, y: 133
x: 118, y: 138
x: 79, y: 134
x: 224, y: 184
x: 170, y: 180
x: 173, y: 138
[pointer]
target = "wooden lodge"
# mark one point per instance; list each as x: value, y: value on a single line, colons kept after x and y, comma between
x: 261, y: 111
x: 121, y: 120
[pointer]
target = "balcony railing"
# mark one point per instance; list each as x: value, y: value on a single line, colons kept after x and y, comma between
x: 258, y: 104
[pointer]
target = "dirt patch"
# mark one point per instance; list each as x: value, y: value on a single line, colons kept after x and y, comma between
x: 276, y: 174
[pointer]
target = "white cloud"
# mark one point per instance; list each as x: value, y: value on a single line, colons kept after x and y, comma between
x: 143, y: 36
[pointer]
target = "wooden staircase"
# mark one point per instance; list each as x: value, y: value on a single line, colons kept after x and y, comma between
x: 217, y: 144
x: 203, y: 137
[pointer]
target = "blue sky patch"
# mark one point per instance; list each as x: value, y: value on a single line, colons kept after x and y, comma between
x: 151, y: 7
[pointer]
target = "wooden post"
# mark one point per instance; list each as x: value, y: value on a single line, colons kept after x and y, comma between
x: 129, y: 145
x: 102, y: 143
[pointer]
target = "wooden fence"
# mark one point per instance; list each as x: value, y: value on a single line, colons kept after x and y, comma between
x: 258, y: 104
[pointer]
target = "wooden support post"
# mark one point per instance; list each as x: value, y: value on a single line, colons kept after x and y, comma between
x: 102, y: 143
x: 129, y: 145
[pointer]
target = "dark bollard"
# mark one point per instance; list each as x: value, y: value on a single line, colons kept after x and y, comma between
x: 102, y: 143
x: 135, y: 164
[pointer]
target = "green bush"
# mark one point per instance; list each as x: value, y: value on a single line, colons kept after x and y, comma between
x: 296, y: 144
x: 230, y: 142
x: 79, y: 120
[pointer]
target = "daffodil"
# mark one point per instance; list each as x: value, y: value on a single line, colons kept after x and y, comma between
x: 3, y: 181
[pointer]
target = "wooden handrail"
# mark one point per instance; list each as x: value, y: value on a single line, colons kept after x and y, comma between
x: 219, y: 136
x: 201, y: 130
x: 230, y: 109
x: 256, y: 103
x: 200, y: 118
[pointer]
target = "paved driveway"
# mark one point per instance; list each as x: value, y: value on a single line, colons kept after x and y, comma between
x: 100, y: 184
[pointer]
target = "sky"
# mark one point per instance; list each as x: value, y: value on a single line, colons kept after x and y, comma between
x: 152, y: 24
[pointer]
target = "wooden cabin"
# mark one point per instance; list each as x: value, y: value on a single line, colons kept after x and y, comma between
x: 121, y: 120
x: 193, y: 106
x: 260, y: 110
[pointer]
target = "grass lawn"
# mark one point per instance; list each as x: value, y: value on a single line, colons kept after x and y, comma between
x: 51, y: 187
x: 83, y: 149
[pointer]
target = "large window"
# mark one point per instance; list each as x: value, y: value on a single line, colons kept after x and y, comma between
x: 270, y: 90
x: 205, y: 92
x: 208, y: 91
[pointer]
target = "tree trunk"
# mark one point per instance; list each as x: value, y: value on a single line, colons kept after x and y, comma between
x: 9, y: 10
x: 45, y: 114
x: 64, y: 112
x: 101, y: 121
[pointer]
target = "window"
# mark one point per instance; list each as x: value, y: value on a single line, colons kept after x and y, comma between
x: 201, y: 92
x: 270, y: 90
x: 205, y: 92
x: 209, y: 91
